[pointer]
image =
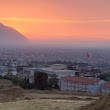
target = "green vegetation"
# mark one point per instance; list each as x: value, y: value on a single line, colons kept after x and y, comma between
x: 18, y: 82
x: 105, y: 77
x: 41, y: 80
x: 53, y: 82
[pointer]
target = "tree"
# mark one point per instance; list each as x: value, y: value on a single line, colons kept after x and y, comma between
x: 53, y: 81
x: 105, y: 76
x: 41, y: 80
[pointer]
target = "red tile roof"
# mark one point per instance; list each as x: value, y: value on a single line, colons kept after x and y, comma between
x: 80, y: 79
x: 106, y: 85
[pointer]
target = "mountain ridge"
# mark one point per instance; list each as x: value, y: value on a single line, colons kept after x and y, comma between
x: 10, y: 36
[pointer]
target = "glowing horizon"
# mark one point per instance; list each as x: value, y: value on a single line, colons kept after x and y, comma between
x: 72, y: 20
x: 56, y: 21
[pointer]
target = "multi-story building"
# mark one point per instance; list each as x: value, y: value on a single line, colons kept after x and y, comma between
x: 105, y: 88
x: 73, y: 83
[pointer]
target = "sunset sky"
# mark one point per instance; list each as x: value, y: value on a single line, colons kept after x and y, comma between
x: 70, y: 20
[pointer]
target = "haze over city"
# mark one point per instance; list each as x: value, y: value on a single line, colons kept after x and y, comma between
x: 54, y: 54
x: 59, y: 22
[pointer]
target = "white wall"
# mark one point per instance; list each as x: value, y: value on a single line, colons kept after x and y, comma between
x: 77, y: 86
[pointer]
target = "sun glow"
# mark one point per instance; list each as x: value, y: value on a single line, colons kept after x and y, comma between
x: 58, y: 19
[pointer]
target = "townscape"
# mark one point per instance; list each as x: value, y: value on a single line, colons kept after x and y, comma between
x: 73, y: 75
x: 54, y: 54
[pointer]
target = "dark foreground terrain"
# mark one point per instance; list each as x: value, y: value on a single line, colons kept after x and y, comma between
x: 19, y: 99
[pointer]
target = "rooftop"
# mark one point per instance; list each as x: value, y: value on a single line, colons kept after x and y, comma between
x: 80, y: 79
x: 106, y: 85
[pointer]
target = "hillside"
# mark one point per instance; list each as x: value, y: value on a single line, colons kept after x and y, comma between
x: 103, y: 103
x: 10, y: 36
x: 19, y: 99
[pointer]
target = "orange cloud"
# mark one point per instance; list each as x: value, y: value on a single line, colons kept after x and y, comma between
x: 56, y: 21
x: 45, y: 29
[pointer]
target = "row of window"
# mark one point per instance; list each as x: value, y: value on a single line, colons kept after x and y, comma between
x: 76, y: 84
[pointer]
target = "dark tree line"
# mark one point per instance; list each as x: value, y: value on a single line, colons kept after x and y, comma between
x: 41, y: 81
x: 105, y: 76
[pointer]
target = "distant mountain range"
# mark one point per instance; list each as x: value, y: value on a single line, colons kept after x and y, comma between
x: 10, y: 36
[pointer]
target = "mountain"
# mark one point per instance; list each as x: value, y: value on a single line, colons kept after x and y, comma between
x: 10, y: 36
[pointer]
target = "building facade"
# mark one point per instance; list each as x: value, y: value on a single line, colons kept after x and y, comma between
x: 105, y: 88
x: 73, y: 83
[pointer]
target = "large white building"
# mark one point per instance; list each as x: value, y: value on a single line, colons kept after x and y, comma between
x: 73, y: 83
x: 60, y: 73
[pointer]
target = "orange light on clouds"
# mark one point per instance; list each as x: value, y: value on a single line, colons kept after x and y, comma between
x: 58, y: 19
x: 35, y: 28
